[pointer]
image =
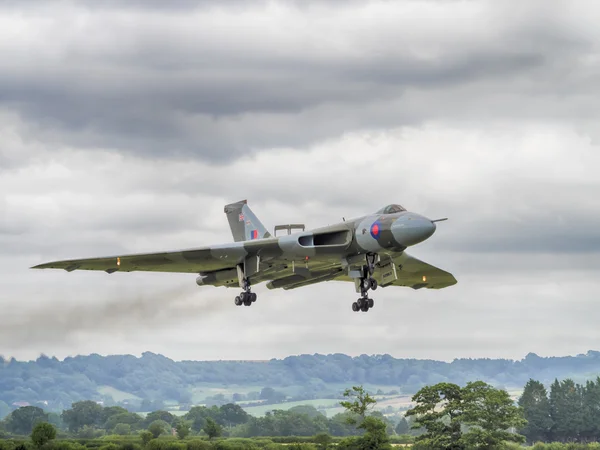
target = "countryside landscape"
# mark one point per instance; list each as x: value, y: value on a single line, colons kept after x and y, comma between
x: 155, y: 382
x: 156, y: 402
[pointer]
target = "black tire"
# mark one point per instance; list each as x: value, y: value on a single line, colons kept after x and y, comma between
x: 364, y: 308
x: 247, y: 302
x: 238, y: 301
x: 371, y: 303
x: 252, y: 297
x: 373, y: 284
x: 355, y: 307
x: 360, y: 303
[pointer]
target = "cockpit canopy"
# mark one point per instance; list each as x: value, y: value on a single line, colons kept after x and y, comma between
x: 391, y: 209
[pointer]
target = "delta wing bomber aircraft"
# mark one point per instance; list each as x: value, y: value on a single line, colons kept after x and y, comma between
x: 369, y: 251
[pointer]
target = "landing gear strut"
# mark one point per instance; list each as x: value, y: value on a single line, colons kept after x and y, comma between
x: 247, y: 297
x: 367, y: 282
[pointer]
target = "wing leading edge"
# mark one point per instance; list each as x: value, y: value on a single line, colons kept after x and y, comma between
x: 410, y: 272
x: 181, y: 261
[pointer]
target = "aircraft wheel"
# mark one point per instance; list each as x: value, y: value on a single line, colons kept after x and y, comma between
x: 360, y: 303
x: 246, y: 299
x: 373, y: 284
x: 238, y: 301
x: 355, y: 307
x: 252, y: 297
x: 371, y: 303
x: 365, y: 307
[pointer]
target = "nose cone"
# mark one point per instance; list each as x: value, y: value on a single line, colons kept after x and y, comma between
x: 410, y: 229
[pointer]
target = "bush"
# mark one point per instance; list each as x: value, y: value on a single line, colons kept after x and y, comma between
x: 175, y: 446
x: 122, y: 429
x: 42, y: 433
x: 408, y: 439
x: 7, y: 445
x: 235, y: 444
x: 130, y: 446
x: 67, y: 445
x: 156, y: 444
x: 197, y: 444
x: 110, y: 446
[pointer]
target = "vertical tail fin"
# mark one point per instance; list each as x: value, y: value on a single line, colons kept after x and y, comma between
x: 244, y: 224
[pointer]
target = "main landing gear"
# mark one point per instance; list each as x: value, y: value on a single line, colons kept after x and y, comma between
x: 367, y: 283
x: 247, y: 297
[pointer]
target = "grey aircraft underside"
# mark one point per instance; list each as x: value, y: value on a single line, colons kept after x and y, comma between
x: 369, y: 251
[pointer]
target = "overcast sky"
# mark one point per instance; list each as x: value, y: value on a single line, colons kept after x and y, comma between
x: 126, y: 129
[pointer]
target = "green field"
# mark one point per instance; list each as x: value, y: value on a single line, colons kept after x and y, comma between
x: 117, y: 395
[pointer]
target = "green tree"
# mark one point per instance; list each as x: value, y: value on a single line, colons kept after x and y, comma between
x: 566, y: 410
x: 183, y: 429
x: 375, y: 436
x: 536, y: 410
x: 89, y: 432
x: 212, y: 428
x: 591, y: 411
x: 21, y: 421
x: 122, y: 429
x: 146, y: 437
x: 445, y: 409
x: 110, y: 411
x: 361, y: 404
x: 375, y: 429
x: 197, y: 416
x: 159, y: 415
x: 232, y: 414
x: 323, y: 440
x: 82, y: 413
x: 42, y: 433
x: 158, y: 427
x: 490, y: 414
x: 131, y: 419
x: 439, y: 410
x: 402, y: 427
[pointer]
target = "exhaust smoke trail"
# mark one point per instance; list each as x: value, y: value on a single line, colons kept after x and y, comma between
x: 59, y: 321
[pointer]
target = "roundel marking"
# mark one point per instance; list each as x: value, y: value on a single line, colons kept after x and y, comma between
x: 375, y: 230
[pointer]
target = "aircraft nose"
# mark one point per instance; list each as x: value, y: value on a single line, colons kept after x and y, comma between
x: 410, y: 229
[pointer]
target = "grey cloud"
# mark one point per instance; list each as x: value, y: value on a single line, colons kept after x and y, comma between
x: 307, y: 129
x: 218, y: 98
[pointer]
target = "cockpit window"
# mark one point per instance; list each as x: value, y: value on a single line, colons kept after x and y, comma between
x: 391, y: 209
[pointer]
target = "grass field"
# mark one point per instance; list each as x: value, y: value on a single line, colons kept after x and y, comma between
x: 117, y: 395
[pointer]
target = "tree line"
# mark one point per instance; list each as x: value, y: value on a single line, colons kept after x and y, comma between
x: 369, y: 430
x: 570, y: 412
x: 87, y: 420
x: 443, y: 416
x: 152, y: 379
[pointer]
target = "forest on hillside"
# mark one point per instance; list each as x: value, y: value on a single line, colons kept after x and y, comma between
x: 152, y: 381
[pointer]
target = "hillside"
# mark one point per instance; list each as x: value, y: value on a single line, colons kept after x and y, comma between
x: 154, y: 381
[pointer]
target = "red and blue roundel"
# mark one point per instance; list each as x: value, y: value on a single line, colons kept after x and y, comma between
x: 254, y: 234
x: 376, y: 229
